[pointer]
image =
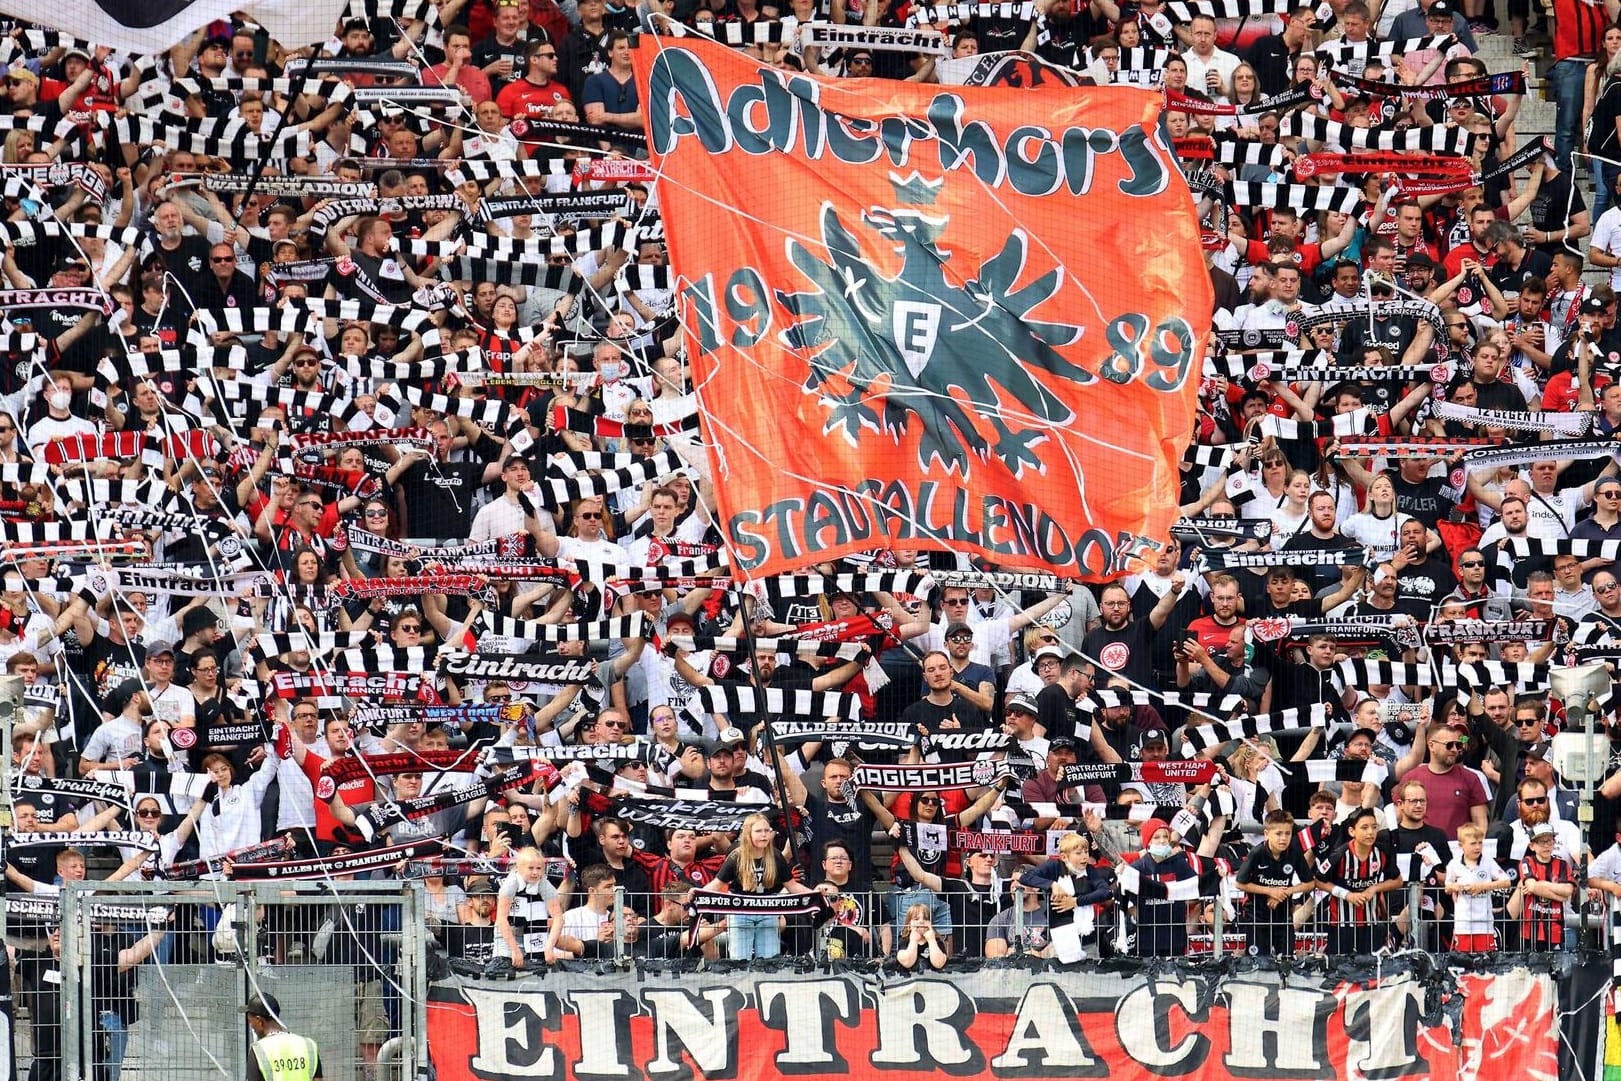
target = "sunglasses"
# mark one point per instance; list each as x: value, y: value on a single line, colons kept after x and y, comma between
x: 963, y: 600
x: 959, y: 638
x: 410, y: 628
x: 1526, y: 722
x: 377, y: 514
x: 589, y: 514
x: 1453, y: 745
x: 498, y: 698
x: 149, y: 813
x: 211, y: 259
x: 1472, y: 564
x: 1533, y: 801
x: 1607, y: 587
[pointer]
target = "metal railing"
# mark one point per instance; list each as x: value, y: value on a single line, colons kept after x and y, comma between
x: 873, y: 929
x: 153, y: 977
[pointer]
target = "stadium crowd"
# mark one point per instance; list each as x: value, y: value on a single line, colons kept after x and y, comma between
x: 368, y: 513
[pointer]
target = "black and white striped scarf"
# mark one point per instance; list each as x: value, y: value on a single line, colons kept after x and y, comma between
x: 1435, y: 140
x: 738, y: 699
x: 1205, y: 736
x: 1303, y: 197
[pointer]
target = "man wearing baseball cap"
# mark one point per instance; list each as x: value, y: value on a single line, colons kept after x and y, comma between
x: 1047, y: 787
x: 278, y: 1055
x: 1019, y: 721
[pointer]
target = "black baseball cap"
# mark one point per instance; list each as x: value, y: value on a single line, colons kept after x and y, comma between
x: 263, y: 1005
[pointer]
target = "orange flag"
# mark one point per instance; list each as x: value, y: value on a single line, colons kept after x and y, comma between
x: 928, y: 316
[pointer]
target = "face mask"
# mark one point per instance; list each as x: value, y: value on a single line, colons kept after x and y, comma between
x: 610, y: 372
x: 1161, y: 852
x: 61, y: 399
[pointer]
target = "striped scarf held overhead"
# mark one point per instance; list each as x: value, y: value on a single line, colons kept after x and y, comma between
x: 1564, y: 424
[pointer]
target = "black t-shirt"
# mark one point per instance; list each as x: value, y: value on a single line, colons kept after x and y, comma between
x: 1320, y: 575
x: 1270, y: 58
x: 1428, y: 582
x: 1395, y: 333
x: 662, y: 942
x: 490, y: 50
x: 113, y: 990
x: 1262, y: 868
x: 1124, y: 652
x: 1498, y: 395
x: 439, y: 497
x: 111, y: 663
x: 188, y: 262
x: 1536, y: 264
x: 583, y: 54
x: 1403, y: 841
x: 239, y: 292
x: 1556, y: 203
x: 931, y: 716
x: 1424, y: 500
x: 852, y: 911
x: 839, y: 822
x: 1055, y: 709
x: 972, y: 909
x: 730, y: 875
x: 1000, y: 35
x: 38, y: 862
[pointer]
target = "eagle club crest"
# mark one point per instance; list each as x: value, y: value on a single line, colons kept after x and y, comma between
x: 965, y: 365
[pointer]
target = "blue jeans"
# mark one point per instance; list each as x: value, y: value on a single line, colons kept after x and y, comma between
x: 901, y: 900
x: 748, y: 937
x: 1567, y: 77
x: 1603, y: 188
x: 117, y: 1032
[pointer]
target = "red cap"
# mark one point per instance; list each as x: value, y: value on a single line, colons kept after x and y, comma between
x: 1148, y: 827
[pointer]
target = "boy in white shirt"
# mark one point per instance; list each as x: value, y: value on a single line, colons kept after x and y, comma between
x: 1471, y: 879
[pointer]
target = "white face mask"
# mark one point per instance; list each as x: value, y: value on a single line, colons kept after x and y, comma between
x: 1160, y: 852
x: 60, y: 399
x: 611, y: 372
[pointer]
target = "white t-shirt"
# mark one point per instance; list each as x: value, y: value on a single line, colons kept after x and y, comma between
x: 990, y: 637
x: 1553, y: 516
x: 1371, y: 531
x: 1607, y: 238
x: 1472, y: 912
x: 583, y: 923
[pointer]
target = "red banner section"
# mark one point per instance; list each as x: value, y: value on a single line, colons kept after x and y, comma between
x: 937, y: 317
x: 759, y: 1027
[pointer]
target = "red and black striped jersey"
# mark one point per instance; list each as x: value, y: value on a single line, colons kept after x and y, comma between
x: 1543, y: 920
x: 1343, y: 867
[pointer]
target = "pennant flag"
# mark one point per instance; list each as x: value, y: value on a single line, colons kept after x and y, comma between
x: 151, y: 26
x: 917, y: 319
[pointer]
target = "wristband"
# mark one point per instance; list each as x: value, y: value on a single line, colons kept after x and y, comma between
x: 1340, y: 892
